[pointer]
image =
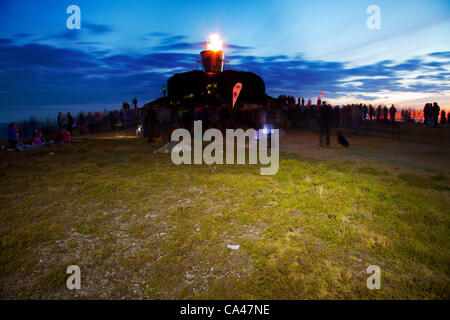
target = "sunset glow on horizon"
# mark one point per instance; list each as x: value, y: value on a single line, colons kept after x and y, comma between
x: 405, y: 62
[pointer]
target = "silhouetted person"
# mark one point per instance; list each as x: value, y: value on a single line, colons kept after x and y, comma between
x: 378, y: 114
x: 325, y: 118
x: 342, y: 141
x: 436, y: 110
x: 153, y: 117
x: 426, y: 115
x: 356, y: 118
x: 365, y: 112
x: 146, y: 124
x: 385, y: 113
x: 164, y: 119
x: 443, y: 118
x: 371, y: 112
x: 135, y: 102
x: 91, y: 122
x: 62, y: 121
x: 337, y: 115
x: 70, y: 123
x: 313, y: 118
x: 13, y: 135
x: 392, y: 112
x: 82, y: 122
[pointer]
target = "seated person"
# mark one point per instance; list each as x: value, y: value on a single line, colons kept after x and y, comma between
x: 66, y: 136
x: 37, y: 138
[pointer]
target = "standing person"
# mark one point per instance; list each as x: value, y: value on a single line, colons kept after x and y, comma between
x: 153, y: 123
x: 356, y: 118
x: 435, y: 114
x: 385, y: 113
x: 337, y: 115
x: 159, y: 118
x: 313, y: 118
x: 395, y: 128
x: 82, y: 122
x: 443, y: 118
x: 164, y: 123
x: 62, y: 121
x: 135, y: 102
x: 430, y: 118
x: 122, y: 117
x: 146, y: 124
x: 13, y: 135
x: 325, y: 118
x: 112, y: 121
x: 365, y: 112
x: 129, y: 117
x: 98, y: 121
x: 425, y: 114
x: 392, y: 112
x: 70, y: 123
x: 105, y: 120
x: 378, y: 115
x: 60, y: 118
x: 91, y: 122
x: 371, y: 112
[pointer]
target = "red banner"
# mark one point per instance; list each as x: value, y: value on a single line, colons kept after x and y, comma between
x: 236, y: 91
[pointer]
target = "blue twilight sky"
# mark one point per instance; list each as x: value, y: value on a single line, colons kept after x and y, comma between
x: 130, y: 48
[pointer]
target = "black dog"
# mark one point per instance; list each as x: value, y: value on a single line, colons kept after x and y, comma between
x: 342, y: 140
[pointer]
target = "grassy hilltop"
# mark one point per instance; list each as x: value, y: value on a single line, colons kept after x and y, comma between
x: 141, y: 227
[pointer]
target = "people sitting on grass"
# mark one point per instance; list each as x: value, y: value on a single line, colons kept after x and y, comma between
x: 15, y: 142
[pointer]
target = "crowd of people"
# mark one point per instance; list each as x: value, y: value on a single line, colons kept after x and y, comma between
x: 285, y: 112
x: 160, y: 119
x: 97, y: 122
x: 31, y: 134
x: 40, y: 137
x: 431, y: 115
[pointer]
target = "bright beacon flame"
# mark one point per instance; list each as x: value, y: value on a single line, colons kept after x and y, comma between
x: 214, y: 43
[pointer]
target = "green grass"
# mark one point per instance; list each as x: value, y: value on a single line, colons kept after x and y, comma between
x: 139, y: 226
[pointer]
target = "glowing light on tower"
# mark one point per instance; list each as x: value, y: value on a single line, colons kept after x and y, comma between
x: 212, y: 57
x: 214, y: 43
